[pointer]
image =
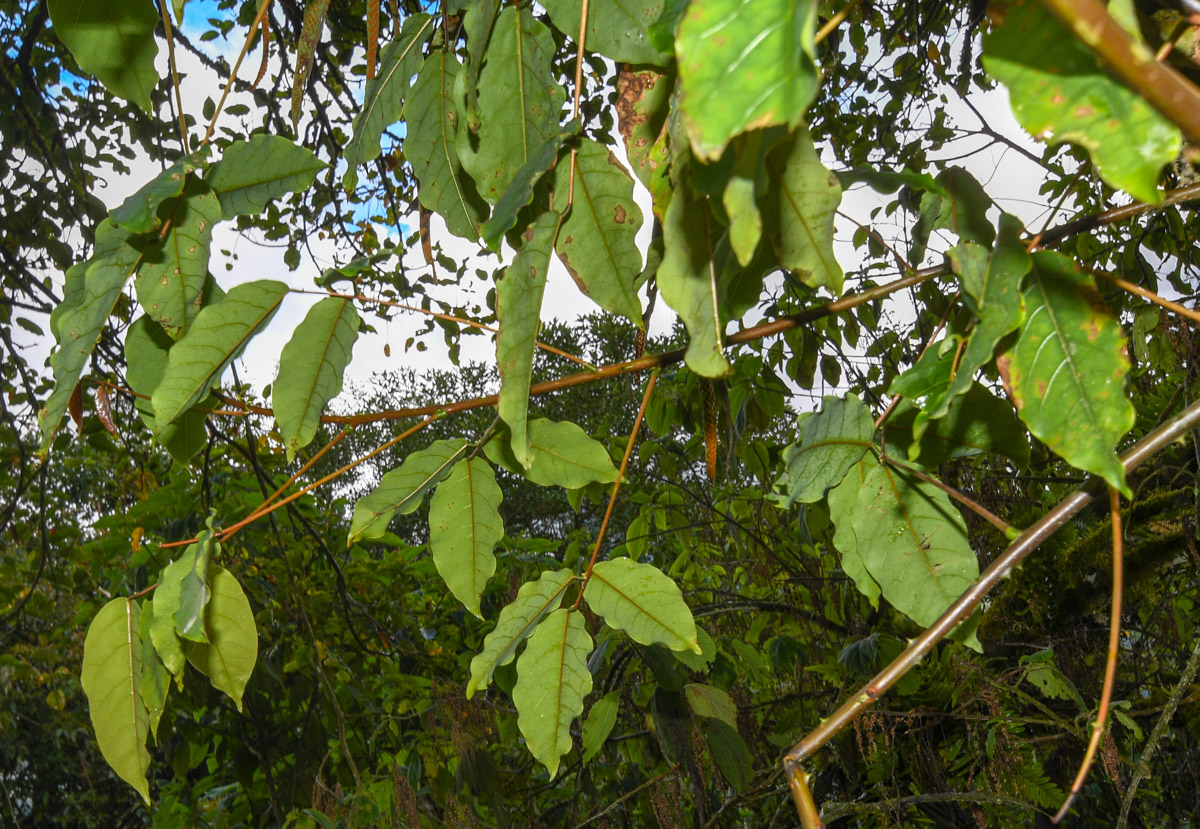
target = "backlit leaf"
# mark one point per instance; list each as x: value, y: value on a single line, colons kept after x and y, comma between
x: 957, y: 203
x: 562, y: 454
x: 974, y: 422
x: 552, y: 681
x: 519, y: 307
x: 1061, y: 92
x: 519, y: 102
x: 642, y: 601
x: 599, y: 723
x: 154, y: 682
x: 464, y: 526
x: 597, y: 241
x: 228, y: 658
x: 310, y: 369
x: 643, y: 96
x: 517, y: 621
x: 909, y: 537
x: 217, y: 336
x: 112, y: 40
x: 802, y: 208
x: 170, y: 282
x: 831, y: 442
x: 112, y: 666
x: 1066, y: 373
x: 616, y: 29
x: 744, y: 64
x: 139, y: 212
x: 402, y: 489
x: 519, y: 192
x: 251, y: 173
x: 383, y: 100
x: 430, y: 146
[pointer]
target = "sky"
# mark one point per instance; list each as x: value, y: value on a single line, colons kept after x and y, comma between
x: 1008, y: 176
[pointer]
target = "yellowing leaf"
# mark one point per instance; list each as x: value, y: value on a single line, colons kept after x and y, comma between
x: 112, y: 666
x: 642, y: 601
x: 552, y: 681
x: 464, y: 526
x: 228, y: 658
x: 517, y: 621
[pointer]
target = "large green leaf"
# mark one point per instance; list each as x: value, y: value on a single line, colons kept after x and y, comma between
x: 383, y: 99
x: 552, y: 681
x: 519, y: 102
x: 599, y: 723
x: 155, y: 681
x: 402, y: 489
x: 217, y: 336
x: 430, y: 146
x: 179, y: 602
x: 112, y: 666
x: 228, y: 658
x: 831, y: 442
x: 139, y: 212
x: 597, y: 241
x: 687, y: 278
x: 251, y: 173
x: 744, y: 64
x: 731, y: 753
x: 974, y: 422
x: 170, y: 282
x: 464, y: 526
x: 642, y: 601
x: 519, y: 192
x: 310, y: 369
x: 616, y: 29
x: 1060, y: 92
x: 562, y: 454
x: 801, y: 208
x: 517, y: 621
x: 747, y: 184
x: 91, y: 294
x: 1066, y: 373
x: 146, y: 350
x: 711, y: 702
x: 909, y: 538
x: 112, y: 40
x: 519, y: 293
x: 957, y: 203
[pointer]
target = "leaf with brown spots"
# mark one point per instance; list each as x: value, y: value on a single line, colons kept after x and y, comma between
x: 643, y: 96
x: 1066, y: 373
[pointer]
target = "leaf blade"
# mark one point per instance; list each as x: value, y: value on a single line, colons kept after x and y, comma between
x: 464, y: 526
x: 642, y: 601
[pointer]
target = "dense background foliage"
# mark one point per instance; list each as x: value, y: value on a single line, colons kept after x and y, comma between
x: 355, y: 713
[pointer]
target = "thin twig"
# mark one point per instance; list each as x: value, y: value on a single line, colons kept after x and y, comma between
x: 968, y: 502
x: 632, y: 793
x: 166, y: 19
x: 1110, y: 665
x: 832, y: 23
x: 212, y: 123
x: 1145, y: 293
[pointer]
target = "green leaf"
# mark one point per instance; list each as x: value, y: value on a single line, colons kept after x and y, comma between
x: 562, y: 454
x: 217, y: 336
x: 1066, y: 373
x: 251, y: 173
x: 112, y: 666
x: 519, y: 192
x: 909, y: 537
x: 802, y: 208
x: 552, y: 681
x: 974, y: 422
x: 228, y: 659
x: 747, y: 183
x: 616, y: 29
x: 958, y: 204
x: 519, y: 102
x: 519, y: 293
x: 178, y: 5
x: 744, y: 64
x: 433, y: 123
x: 478, y: 22
x: 464, y: 526
x: 597, y: 241
x: 154, y: 682
x: 91, y: 294
x: 599, y: 724
x: 139, y: 212
x: 146, y: 349
x: 643, y: 98
x: 383, y: 99
x: 517, y: 621
x: 687, y: 279
x: 713, y: 703
x: 170, y: 282
x: 732, y: 756
x: 1060, y: 92
x: 310, y: 370
x: 831, y: 443
x: 112, y: 40
x: 699, y: 661
x: 180, y: 599
x: 642, y: 601
x: 402, y: 489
